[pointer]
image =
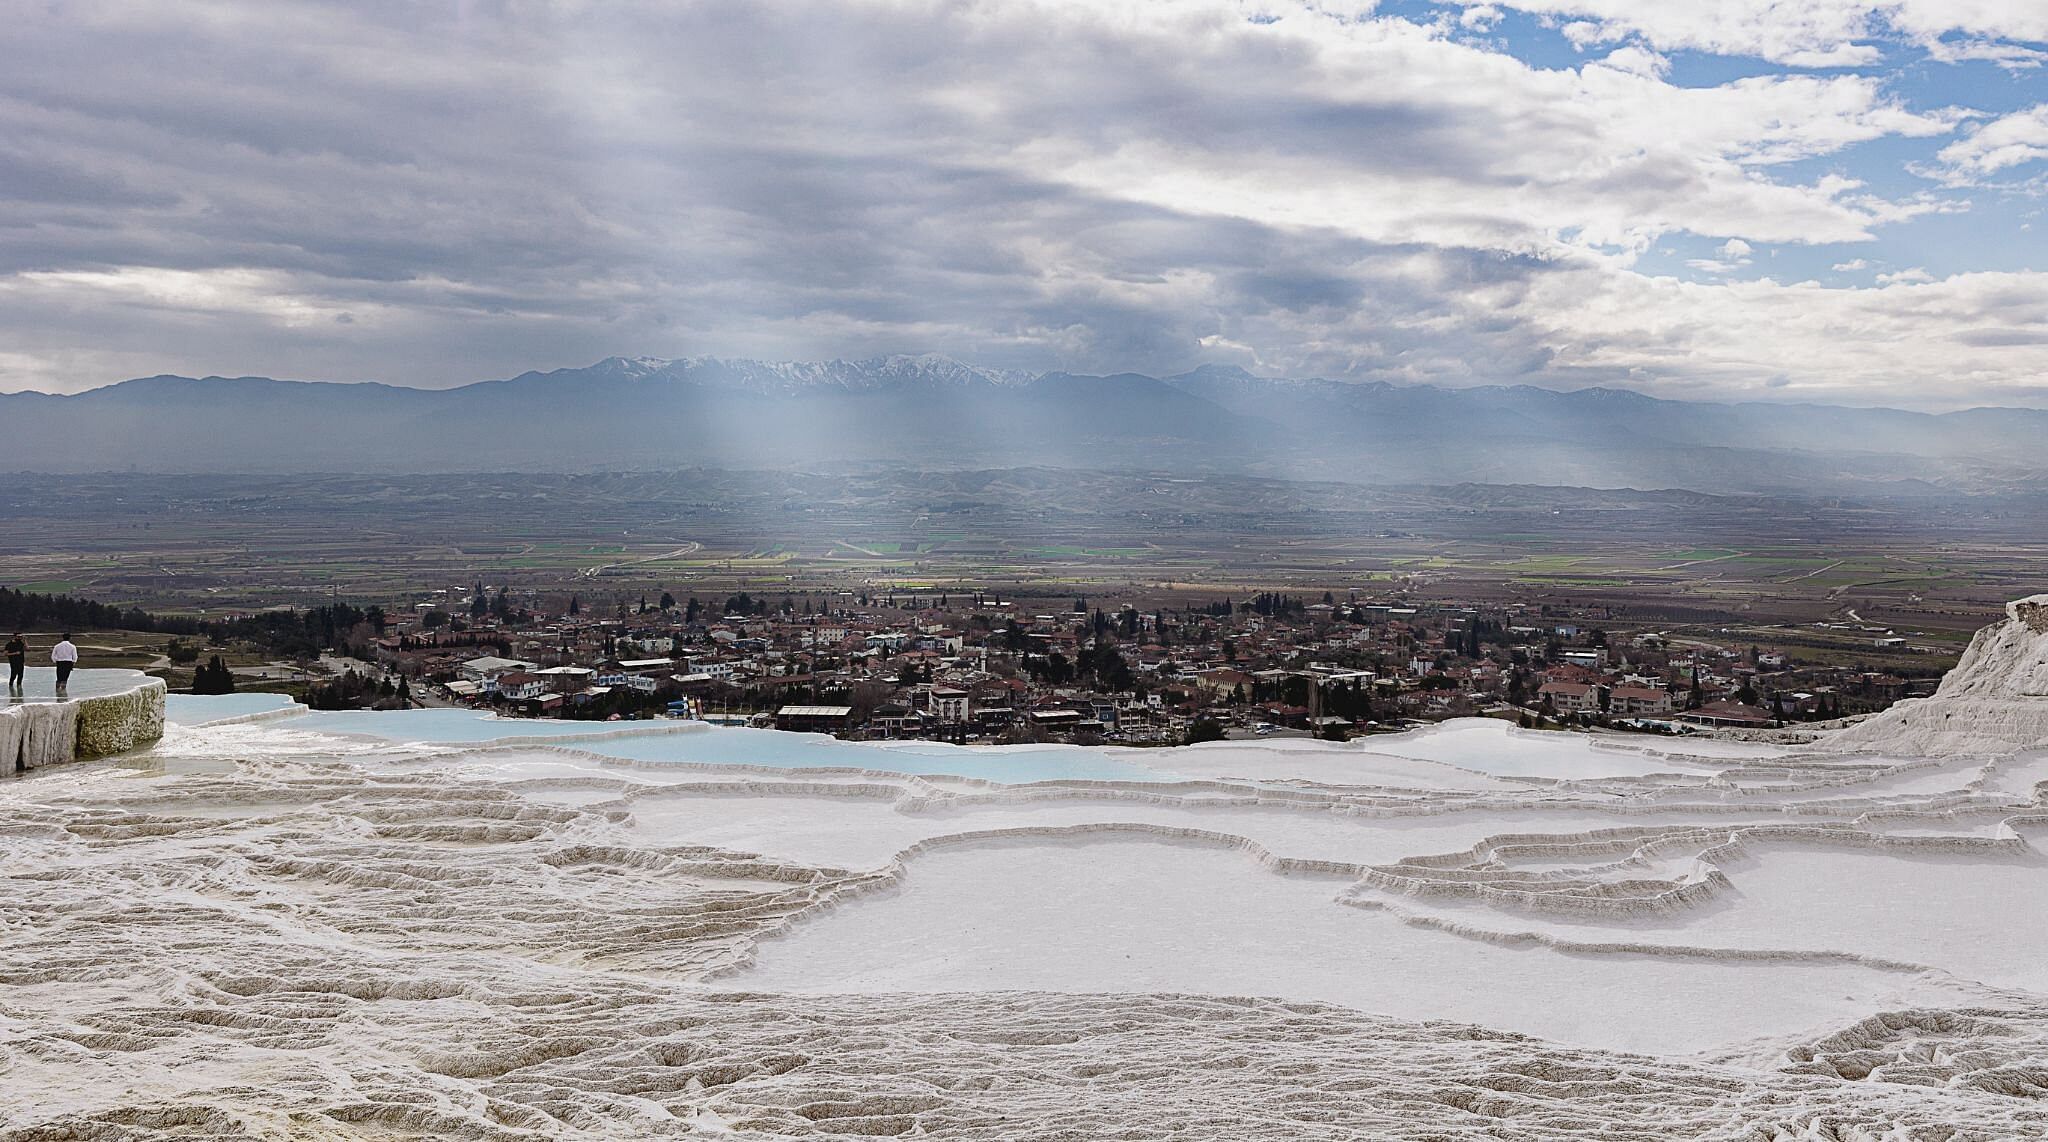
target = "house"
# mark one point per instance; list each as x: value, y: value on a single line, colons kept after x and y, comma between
x: 1728, y: 714
x: 949, y: 705
x: 1221, y: 680
x: 1057, y: 720
x: 1571, y: 697
x: 894, y: 719
x: 1639, y: 700
x: 814, y: 719
x: 717, y: 671
x: 518, y: 685
x: 483, y: 669
x: 567, y: 679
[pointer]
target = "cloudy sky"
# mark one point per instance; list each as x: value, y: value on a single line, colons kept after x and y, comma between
x: 1831, y: 200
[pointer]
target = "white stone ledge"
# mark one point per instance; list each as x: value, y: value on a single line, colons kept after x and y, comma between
x: 38, y: 734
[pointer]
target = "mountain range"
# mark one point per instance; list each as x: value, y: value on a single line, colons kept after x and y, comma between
x: 639, y: 413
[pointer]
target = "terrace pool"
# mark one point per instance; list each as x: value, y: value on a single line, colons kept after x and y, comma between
x: 1492, y: 746
x: 202, y: 709
x: 674, y: 742
x: 452, y: 727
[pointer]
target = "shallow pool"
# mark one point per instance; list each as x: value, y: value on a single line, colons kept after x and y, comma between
x: 1007, y: 766
x: 1492, y: 746
x: 200, y: 709
x: 696, y: 743
x: 39, y: 684
x: 447, y: 726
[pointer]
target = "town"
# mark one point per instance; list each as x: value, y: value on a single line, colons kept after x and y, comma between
x: 977, y: 666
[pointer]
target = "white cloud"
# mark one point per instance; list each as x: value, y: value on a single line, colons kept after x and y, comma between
x: 1637, y: 61
x: 2009, y: 141
x: 1479, y: 17
x: 1852, y: 265
x: 432, y: 196
x: 2011, y: 57
x: 1805, y: 33
x: 1914, y: 276
x: 1734, y: 254
x: 1918, y: 341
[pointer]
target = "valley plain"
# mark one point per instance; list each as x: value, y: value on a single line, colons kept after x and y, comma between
x: 1937, y: 567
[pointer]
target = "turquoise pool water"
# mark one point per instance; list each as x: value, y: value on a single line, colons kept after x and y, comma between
x: 800, y: 751
x: 199, y: 709
x: 667, y: 741
x: 447, y: 727
x: 39, y: 684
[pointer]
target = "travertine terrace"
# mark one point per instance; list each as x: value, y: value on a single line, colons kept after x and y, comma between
x: 1994, y: 701
x: 1471, y: 931
x: 109, y: 712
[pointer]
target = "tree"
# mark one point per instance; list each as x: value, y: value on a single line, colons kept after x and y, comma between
x: 1204, y: 729
x: 575, y: 605
x: 404, y: 693
x: 213, y: 678
x: 668, y: 601
x: 479, y: 602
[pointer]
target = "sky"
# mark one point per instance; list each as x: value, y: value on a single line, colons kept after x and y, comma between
x: 1796, y: 200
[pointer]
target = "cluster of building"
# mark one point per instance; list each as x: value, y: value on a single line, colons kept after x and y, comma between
x: 982, y: 667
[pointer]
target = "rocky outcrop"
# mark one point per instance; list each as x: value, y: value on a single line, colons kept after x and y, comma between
x: 1995, y: 701
x: 38, y: 734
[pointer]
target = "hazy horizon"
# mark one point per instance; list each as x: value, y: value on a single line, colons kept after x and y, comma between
x: 1026, y: 375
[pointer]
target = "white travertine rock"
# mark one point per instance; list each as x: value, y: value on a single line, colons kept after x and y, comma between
x: 503, y: 942
x: 39, y: 734
x: 1995, y: 701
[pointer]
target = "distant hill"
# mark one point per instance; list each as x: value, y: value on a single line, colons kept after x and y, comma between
x: 644, y: 413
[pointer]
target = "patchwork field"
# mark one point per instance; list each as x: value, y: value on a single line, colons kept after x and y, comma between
x: 1721, y: 565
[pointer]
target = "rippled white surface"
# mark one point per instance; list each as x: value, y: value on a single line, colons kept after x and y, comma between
x: 439, y: 925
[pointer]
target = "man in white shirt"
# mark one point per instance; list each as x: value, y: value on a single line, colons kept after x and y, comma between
x: 64, y: 657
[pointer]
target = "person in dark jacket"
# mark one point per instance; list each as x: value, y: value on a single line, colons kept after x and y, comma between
x: 17, y: 661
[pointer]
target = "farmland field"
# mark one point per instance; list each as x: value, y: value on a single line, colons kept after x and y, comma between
x: 223, y: 544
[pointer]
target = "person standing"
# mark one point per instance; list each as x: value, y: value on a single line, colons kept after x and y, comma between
x: 64, y: 657
x: 17, y: 661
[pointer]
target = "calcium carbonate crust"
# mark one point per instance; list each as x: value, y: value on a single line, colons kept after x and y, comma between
x: 51, y: 733
x: 373, y: 941
x: 1994, y: 701
x: 433, y: 955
